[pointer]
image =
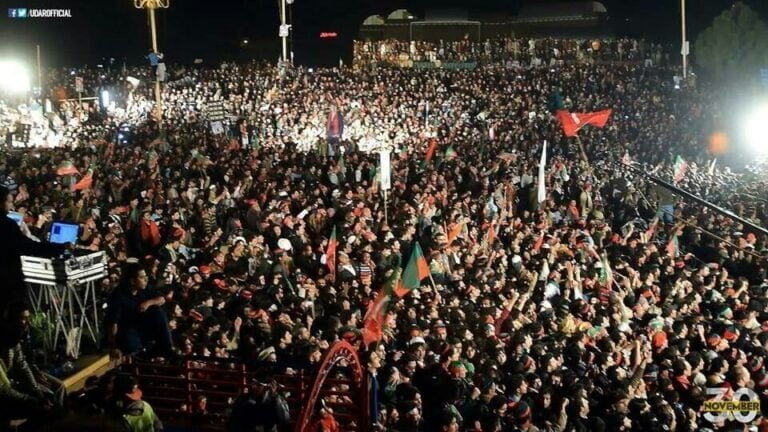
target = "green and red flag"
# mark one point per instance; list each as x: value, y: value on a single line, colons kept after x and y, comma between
x: 673, y: 247
x: 85, y: 183
x: 67, y: 168
x: 330, y: 254
x: 376, y: 317
x: 450, y: 153
x: 681, y: 166
x: 416, y: 270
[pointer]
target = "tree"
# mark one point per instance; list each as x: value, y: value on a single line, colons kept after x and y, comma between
x: 735, y: 46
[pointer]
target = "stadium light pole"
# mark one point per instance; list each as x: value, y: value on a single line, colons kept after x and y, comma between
x: 284, y: 31
x: 290, y: 23
x: 684, y: 49
x: 151, y: 6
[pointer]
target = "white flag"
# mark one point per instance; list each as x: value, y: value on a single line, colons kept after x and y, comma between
x: 386, y: 170
x: 712, y: 166
x: 134, y: 81
x: 542, y: 166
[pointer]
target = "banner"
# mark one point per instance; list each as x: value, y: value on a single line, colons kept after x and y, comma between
x: 215, y: 111
x: 217, y: 128
x: 445, y: 65
x: 386, y: 170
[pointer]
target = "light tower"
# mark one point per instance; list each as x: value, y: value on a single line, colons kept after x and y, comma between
x: 151, y: 6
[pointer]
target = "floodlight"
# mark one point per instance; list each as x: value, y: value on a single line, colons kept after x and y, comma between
x: 14, y: 77
x: 755, y: 130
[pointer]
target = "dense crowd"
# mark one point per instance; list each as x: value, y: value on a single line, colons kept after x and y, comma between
x: 512, y: 52
x: 575, y: 314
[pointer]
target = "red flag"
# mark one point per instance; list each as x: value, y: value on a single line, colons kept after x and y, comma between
x: 85, y: 183
x: 539, y: 243
x: 430, y: 150
x: 490, y: 236
x: 455, y: 231
x: 651, y: 230
x: 330, y: 254
x: 573, y: 122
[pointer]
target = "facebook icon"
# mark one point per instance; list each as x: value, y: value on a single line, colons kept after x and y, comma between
x: 17, y: 12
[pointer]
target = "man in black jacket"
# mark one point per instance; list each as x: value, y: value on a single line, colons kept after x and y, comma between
x: 16, y: 244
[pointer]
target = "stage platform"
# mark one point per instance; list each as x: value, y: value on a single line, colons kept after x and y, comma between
x: 86, y: 366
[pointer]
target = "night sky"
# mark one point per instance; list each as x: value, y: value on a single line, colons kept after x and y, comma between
x: 213, y: 29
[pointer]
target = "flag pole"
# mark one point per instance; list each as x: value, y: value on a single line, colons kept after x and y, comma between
x: 584, y: 155
x: 581, y: 149
x: 40, y: 77
x: 434, y: 285
x: 684, y: 49
x: 386, y: 218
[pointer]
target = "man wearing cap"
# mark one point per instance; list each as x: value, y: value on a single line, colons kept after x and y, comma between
x: 137, y: 414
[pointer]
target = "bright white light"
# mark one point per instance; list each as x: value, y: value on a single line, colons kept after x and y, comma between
x: 105, y: 98
x: 755, y: 130
x: 14, y: 77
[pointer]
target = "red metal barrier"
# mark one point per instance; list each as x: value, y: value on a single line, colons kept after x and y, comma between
x: 340, y: 351
x: 173, y: 390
